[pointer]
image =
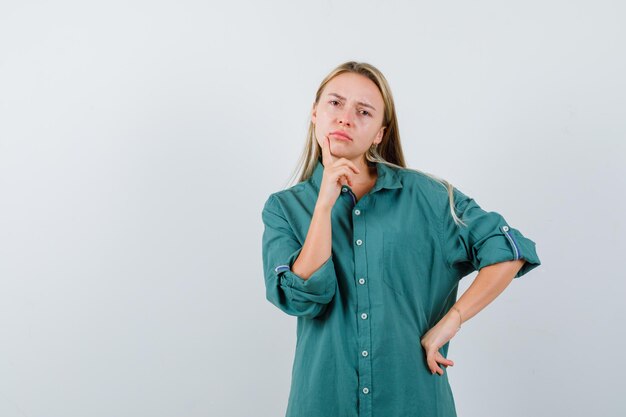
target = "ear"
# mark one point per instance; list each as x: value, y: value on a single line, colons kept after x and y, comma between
x: 379, y: 135
x: 314, y: 113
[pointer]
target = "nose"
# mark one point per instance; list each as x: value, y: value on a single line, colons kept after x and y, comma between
x: 344, y: 119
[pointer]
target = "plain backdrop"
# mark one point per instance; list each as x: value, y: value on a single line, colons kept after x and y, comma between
x: 140, y: 139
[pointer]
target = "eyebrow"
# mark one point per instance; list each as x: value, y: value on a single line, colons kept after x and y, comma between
x: 360, y: 102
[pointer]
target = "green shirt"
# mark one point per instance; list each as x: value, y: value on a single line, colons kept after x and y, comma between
x: 397, y: 258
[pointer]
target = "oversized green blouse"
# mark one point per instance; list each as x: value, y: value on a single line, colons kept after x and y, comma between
x: 397, y: 258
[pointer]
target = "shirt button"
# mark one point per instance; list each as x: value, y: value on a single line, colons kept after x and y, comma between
x: 364, y: 353
x: 361, y: 281
x: 359, y: 242
x: 505, y: 228
x: 366, y: 390
x: 357, y: 212
x: 364, y: 316
x: 344, y: 189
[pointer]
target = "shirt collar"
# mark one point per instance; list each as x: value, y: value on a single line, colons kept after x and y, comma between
x: 387, y: 176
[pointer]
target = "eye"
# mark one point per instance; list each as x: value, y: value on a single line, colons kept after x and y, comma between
x: 333, y: 101
x: 365, y: 111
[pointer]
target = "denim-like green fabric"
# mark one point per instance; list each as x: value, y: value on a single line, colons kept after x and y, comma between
x: 397, y: 258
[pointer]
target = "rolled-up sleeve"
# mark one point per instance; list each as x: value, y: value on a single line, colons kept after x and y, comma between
x: 485, y: 239
x: 285, y: 289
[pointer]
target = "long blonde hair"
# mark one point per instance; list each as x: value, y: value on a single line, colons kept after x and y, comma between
x: 388, y: 152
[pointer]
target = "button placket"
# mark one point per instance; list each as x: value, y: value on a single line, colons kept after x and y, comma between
x: 346, y: 189
x: 363, y: 305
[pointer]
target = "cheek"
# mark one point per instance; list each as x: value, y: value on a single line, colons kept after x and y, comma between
x: 373, y: 126
x: 322, y: 122
x: 326, y: 113
x: 319, y: 132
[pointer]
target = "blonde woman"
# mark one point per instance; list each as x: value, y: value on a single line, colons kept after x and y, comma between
x: 367, y: 254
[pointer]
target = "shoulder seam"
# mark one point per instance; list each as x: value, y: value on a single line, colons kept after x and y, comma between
x: 444, y: 252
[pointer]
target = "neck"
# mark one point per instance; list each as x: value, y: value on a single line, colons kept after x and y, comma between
x: 368, y: 173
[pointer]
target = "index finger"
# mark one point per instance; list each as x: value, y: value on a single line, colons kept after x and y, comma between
x: 327, y: 157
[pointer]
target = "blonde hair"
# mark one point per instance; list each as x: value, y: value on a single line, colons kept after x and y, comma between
x: 388, y: 152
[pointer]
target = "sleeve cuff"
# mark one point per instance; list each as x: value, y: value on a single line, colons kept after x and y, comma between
x: 507, y: 246
x: 319, y: 287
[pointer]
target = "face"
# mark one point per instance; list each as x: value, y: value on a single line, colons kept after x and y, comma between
x: 349, y: 103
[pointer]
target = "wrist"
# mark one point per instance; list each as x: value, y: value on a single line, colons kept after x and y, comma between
x: 455, y: 316
x: 323, y: 208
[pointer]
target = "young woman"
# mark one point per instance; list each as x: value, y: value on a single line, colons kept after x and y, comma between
x: 368, y: 254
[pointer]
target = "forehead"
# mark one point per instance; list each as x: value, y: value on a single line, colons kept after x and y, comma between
x: 354, y: 87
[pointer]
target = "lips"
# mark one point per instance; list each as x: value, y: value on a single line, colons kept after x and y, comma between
x: 341, y: 134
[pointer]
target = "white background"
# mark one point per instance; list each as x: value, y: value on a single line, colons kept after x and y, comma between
x: 140, y: 139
